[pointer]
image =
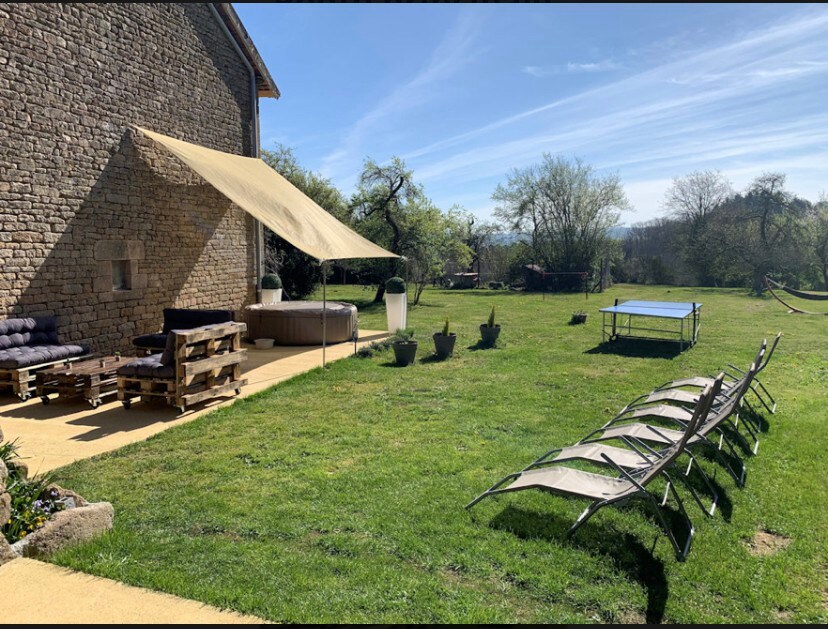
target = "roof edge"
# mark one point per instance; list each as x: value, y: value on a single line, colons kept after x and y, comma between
x: 265, y: 84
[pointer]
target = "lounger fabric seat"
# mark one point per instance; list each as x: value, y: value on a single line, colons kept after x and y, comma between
x: 574, y: 482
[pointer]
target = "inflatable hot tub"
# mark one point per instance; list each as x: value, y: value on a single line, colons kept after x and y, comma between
x: 300, y: 322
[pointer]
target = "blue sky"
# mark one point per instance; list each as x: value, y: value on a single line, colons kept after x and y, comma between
x: 466, y: 92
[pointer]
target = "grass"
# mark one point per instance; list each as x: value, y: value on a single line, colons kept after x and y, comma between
x: 338, y: 496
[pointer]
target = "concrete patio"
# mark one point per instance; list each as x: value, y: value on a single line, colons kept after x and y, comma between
x: 64, y: 431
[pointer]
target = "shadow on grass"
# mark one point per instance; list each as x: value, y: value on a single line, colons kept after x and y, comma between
x: 396, y: 365
x: 638, y: 348
x: 758, y: 419
x: 625, y: 551
x: 481, y: 344
x: 433, y: 358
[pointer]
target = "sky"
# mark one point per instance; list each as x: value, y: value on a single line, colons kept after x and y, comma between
x: 465, y: 93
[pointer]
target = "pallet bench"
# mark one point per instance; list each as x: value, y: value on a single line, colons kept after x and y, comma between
x: 29, y: 345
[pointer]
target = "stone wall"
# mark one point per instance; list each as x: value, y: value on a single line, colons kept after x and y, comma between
x: 82, y: 193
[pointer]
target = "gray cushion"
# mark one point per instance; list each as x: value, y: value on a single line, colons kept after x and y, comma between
x: 28, y: 331
x: 147, y: 367
x: 151, y: 341
x: 189, y: 318
x: 27, y: 356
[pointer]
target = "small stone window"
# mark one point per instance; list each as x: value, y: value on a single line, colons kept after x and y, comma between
x: 120, y: 268
x: 121, y: 275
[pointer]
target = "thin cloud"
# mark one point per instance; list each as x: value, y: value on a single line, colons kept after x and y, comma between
x: 571, y: 68
x: 454, y: 52
x: 644, y: 112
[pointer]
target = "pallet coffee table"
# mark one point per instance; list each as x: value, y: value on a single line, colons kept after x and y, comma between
x: 92, y: 379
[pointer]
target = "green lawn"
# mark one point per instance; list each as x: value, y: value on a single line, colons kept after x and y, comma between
x: 338, y: 496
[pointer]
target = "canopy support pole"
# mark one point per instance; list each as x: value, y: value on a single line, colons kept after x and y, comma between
x: 324, y: 311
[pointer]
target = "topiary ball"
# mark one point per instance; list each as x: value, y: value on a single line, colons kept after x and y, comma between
x: 271, y: 281
x: 395, y: 286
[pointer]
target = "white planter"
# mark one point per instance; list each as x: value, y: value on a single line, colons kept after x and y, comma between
x: 396, y: 308
x: 271, y: 295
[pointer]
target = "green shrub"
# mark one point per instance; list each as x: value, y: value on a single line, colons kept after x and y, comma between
x: 380, y: 346
x: 271, y: 281
x: 446, y: 328
x: 395, y: 286
x: 491, y: 322
x: 31, y: 504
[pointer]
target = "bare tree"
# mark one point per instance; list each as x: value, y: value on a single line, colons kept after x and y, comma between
x: 693, y: 197
x: 566, y: 208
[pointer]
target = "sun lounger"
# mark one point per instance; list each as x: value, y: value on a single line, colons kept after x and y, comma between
x: 627, y: 425
x: 732, y: 378
x: 604, y: 490
x: 636, y: 457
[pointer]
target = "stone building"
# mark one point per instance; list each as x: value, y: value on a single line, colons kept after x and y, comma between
x: 98, y: 225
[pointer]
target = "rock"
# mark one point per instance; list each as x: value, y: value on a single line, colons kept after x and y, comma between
x: 4, y: 471
x: 5, y: 506
x: 70, y: 527
x: 6, y: 552
x: 62, y: 493
x: 21, y: 467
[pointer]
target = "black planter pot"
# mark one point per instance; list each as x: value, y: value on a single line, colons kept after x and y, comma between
x: 578, y: 317
x: 489, y: 335
x: 404, y: 352
x: 444, y: 345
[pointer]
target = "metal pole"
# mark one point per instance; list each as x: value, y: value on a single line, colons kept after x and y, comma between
x: 324, y: 312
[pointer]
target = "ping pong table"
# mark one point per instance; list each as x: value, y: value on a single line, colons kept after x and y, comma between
x: 620, y: 322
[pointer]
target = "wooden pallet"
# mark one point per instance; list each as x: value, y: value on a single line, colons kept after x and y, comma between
x: 207, y: 365
x: 88, y: 379
x: 23, y: 381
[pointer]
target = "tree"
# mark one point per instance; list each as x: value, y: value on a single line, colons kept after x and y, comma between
x: 390, y: 209
x: 692, y: 200
x: 432, y: 240
x: 763, y: 230
x: 693, y: 197
x: 478, y: 236
x: 300, y: 273
x: 818, y: 237
x: 566, y: 209
x: 379, y: 206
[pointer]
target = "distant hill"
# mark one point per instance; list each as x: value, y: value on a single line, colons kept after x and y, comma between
x: 619, y: 233
x: 508, y: 238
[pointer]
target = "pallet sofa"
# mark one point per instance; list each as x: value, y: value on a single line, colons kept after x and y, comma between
x: 28, y: 345
x: 196, y: 365
x: 178, y: 319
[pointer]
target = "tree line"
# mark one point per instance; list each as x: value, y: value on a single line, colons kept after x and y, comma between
x: 559, y: 215
x: 714, y: 235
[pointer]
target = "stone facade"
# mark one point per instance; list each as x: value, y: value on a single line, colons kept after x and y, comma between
x: 84, y: 197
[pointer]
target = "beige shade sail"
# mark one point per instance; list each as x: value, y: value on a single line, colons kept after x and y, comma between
x: 267, y: 196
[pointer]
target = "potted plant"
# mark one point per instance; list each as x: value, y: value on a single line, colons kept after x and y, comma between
x: 396, y: 304
x: 405, y: 350
x: 578, y: 317
x: 490, y: 330
x: 271, y: 289
x: 444, y: 341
